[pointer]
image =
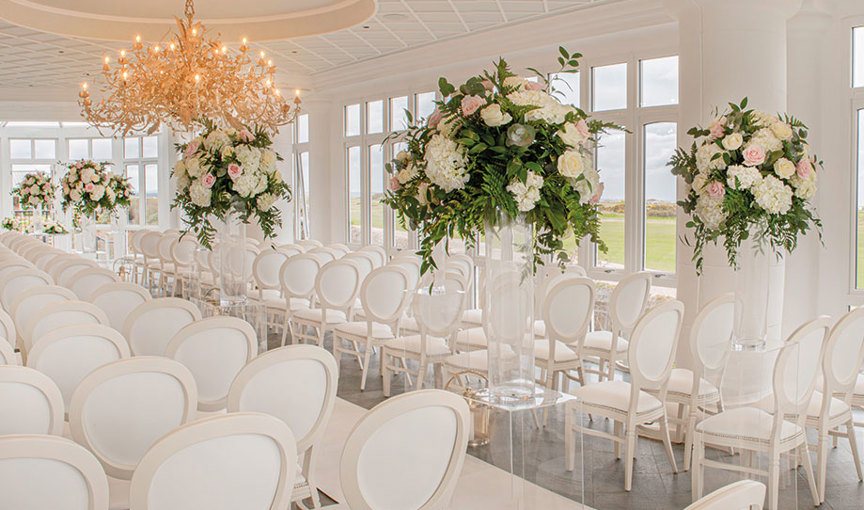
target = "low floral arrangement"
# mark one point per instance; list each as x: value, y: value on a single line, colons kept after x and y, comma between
x: 90, y: 190
x: 52, y: 227
x: 499, y: 144
x: 749, y: 173
x: 229, y: 171
x: 36, y: 190
x: 11, y: 223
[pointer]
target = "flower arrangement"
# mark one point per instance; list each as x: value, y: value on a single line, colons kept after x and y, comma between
x: 749, y: 173
x: 52, y: 227
x: 499, y: 143
x: 36, y: 190
x: 90, y: 190
x: 12, y: 223
x: 226, y: 171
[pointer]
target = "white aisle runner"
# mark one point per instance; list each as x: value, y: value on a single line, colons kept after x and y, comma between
x: 480, y: 485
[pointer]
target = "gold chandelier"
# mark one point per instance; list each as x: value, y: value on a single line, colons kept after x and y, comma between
x: 190, y: 79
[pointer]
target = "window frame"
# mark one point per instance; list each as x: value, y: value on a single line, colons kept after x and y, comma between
x: 855, y: 296
x: 142, y: 163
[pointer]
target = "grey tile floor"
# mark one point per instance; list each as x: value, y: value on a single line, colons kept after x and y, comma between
x: 598, y: 480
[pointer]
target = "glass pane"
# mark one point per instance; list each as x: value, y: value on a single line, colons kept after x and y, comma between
x: 79, y: 149
x: 660, y: 143
x: 659, y: 81
x: 352, y: 120
x: 151, y: 194
x: 20, y: 149
x: 303, y: 128
x: 45, y: 149
x: 398, y: 120
x: 305, y: 162
x: 131, y: 148
x: 102, y: 149
x: 401, y: 233
x: 375, y: 116
x: 858, y: 57
x: 859, y: 284
x: 376, y: 188
x: 610, y: 87
x: 424, y: 105
x: 565, y: 86
x: 135, y: 200
x: 354, y: 196
x: 611, y: 157
x: 150, y: 145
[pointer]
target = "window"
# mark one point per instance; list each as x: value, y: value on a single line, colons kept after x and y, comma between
x: 375, y: 117
x: 424, y: 105
x: 303, y: 128
x: 352, y: 120
x: 141, y: 166
x: 859, y: 248
x: 858, y: 57
x: 565, y: 87
x: 355, y: 199
x: 301, y: 165
x: 659, y: 144
x: 857, y: 200
x: 659, y: 81
x: 31, y: 155
x: 610, y: 160
x: 97, y: 149
x: 402, y: 236
x: 610, y: 87
x: 398, y: 108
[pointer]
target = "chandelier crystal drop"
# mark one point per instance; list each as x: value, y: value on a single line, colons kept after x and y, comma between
x: 188, y: 80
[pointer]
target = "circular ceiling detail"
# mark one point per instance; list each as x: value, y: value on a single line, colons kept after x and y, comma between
x: 122, y: 20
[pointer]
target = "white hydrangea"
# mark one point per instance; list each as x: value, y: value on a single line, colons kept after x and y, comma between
x: 765, y: 137
x: 260, y: 184
x: 773, y: 195
x: 710, y: 211
x: 587, y: 187
x: 516, y: 82
x: 265, y: 201
x: 764, y: 119
x: 550, y: 110
x: 193, y: 167
x: 87, y: 175
x: 75, y: 195
x: 97, y: 193
x: 705, y: 155
x: 199, y: 194
x: 445, y: 163
x: 407, y: 173
x: 249, y: 157
x: 699, y: 182
x: 527, y: 193
x: 268, y: 161
x: 742, y: 177
x: 180, y: 169
x: 245, y: 185
x: 804, y: 188
x: 216, y: 140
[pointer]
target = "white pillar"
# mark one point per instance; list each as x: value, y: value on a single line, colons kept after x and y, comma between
x: 729, y: 49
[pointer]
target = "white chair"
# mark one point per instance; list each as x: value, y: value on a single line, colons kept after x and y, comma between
x: 384, y: 297
x: 214, y: 350
x: 31, y: 402
x: 69, y: 353
x: 309, y: 244
x: 743, y: 495
x: 297, y: 278
x: 324, y: 254
x: 308, y: 378
x: 14, y: 284
x: 10, y: 266
x: 40, y: 472
x: 752, y: 429
x: 418, y: 474
x: 136, y: 257
x: 25, y: 306
x: 7, y: 329
x: 830, y: 409
x: 265, y: 272
x: 151, y: 326
x: 150, y: 252
x: 710, y: 338
x: 43, y: 259
x: 167, y: 275
x: 182, y: 251
x: 85, y: 282
x: 642, y: 401
x: 339, y: 247
x: 626, y: 304
x: 365, y: 260
x: 57, y: 315
x: 240, y: 461
x: 118, y: 299
x: 377, y: 253
x: 336, y: 287
x: 7, y: 355
x: 66, y: 270
x: 121, y: 409
x: 438, y: 318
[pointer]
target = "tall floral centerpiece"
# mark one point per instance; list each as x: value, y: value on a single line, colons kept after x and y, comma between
x: 501, y: 156
x: 750, y: 177
x: 225, y: 179
x: 35, y: 192
x: 91, y: 191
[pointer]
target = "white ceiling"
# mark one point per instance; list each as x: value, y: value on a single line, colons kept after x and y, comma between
x: 30, y: 58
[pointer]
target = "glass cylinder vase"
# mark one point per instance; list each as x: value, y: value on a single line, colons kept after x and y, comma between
x: 232, y: 261
x: 88, y: 234
x: 508, y: 306
x: 758, y: 295
x: 38, y: 224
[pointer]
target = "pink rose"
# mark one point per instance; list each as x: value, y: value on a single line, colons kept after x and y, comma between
x: 246, y: 135
x: 488, y: 85
x: 804, y: 168
x: 394, y: 184
x: 715, y: 189
x: 89, y: 187
x: 78, y: 165
x: 234, y: 171
x: 434, y: 119
x: 191, y: 149
x: 582, y: 128
x: 533, y: 85
x: 717, y: 127
x: 754, y: 155
x: 208, y: 180
x: 471, y: 104
x: 597, y: 194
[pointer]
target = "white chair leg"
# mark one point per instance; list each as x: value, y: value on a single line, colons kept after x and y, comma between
x: 822, y: 462
x: 617, y: 429
x: 853, y: 444
x: 664, y: 433
x: 808, y: 468
x: 384, y: 366
x: 366, y: 358
x: 773, y: 480
x: 688, y: 439
x: 630, y: 452
x: 697, y: 470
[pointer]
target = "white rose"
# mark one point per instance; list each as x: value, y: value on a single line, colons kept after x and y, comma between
x: 406, y: 174
x: 781, y: 130
x: 75, y: 195
x: 515, y: 82
x: 493, y: 116
x: 571, y: 164
x: 193, y: 167
x: 97, y: 193
x: 268, y: 161
x: 733, y: 141
x: 699, y: 183
x: 180, y: 168
x: 784, y: 168
x: 265, y: 201
x: 87, y: 175
x: 422, y: 190
x: 227, y: 152
x: 572, y: 135
x: 402, y: 156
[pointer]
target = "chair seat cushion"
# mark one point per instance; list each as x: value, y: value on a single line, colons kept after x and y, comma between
x: 814, y: 408
x: 748, y: 423
x: 360, y: 328
x: 602, y: 341
x: 279, y: 304
x: 475, y: 361
x: 473, y: 317
x: 471, y: 339
x: 681, y: 383
x: 562, y: 352
x: 434, y: 346
x: 315, y: 315
x: 409, y: 325
x: 615, y: 395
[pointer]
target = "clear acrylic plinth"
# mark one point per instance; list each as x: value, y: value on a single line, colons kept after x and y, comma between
x: 253, y: 313
x: 522, y: 466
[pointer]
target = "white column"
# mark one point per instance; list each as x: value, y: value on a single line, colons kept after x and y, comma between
x: 729, y: 49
